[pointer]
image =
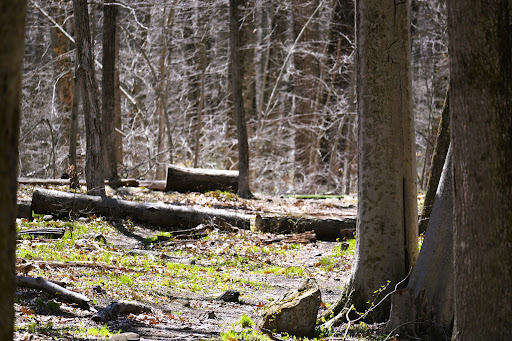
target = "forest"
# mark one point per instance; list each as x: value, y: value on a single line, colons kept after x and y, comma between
x: 255, y: 170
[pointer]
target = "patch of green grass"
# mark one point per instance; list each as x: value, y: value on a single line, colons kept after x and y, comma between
x: 246, y: 335
x: 103, y: 331
x: 245, y: 321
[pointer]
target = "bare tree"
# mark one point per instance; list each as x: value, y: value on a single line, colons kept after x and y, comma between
x: 12, y: 37
x: 238, y: 104
x: 481, y: 123
x: 387, y: 231
x: 94, y: 167
x: 108, y: 89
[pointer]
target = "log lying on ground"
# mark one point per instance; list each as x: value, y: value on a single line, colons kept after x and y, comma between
x: 324, y: 228
x: 45, y: 232
x: 155, y: 185
x: 181, y: 179
x: 65, y: 204
x: 54, y: 289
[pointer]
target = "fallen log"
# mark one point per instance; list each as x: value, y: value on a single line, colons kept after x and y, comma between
x: 40, y: 283
x: 45, y: 232
x: 324, y: 228
x: 63, y: 204
x: 182, y: 179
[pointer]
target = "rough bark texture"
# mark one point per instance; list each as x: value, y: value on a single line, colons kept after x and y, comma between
x: 481, y: 107
x: 238, y: 103
x: 324, y: 228
x: 12, y: 35
x: 387, y: 231
x: 430, y: 307
x: 436, y: 167
x: 94, y: 166
x: 64, y: 204
x: 108, y: 89
x: 183, y: 179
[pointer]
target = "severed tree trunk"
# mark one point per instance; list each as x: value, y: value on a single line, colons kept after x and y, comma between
x: 244, y: 190
x: 12, y: 37
x: 183, y: 179
x: 481, y: 106
x: 387, y: 230
x: 436, y: 167
x: 431, y: 292
x: 94, y: 166
x: 108, y: 89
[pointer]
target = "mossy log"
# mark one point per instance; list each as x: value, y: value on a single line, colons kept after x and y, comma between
x: 65, y: 204
x: 182, y: 179
x: 325, y: 228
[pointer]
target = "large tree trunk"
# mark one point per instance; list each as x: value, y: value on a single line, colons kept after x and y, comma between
x: 65, y: 204
x: 387, y: 230
x: 432, y: 296
x: 12, y: 37
x: 238, y: 103
x: 94, y: 166
x: 108, y: 89
x: 481, y: 108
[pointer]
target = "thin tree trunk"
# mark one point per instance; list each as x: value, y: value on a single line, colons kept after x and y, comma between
x: 201, y: 104
x: 108, y: 88
x: 12, y: 36
x: 238, y: 105
x: 481, y: 122
x: 94, y: 166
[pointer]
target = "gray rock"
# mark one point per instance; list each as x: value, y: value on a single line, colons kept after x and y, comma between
x: 229, y: 296
x: 295, y: 313
x: 125, y: 337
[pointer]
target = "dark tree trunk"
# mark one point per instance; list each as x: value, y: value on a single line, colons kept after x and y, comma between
x: 436, y: 167
x: 481, y: 106
x: 108, y: 88
x: 183, y: 179
x: 238, y: 104
x: 94, y: 166
x: 12, y: 36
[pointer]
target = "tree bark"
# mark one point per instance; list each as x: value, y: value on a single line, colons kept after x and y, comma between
x: 244, y: 190
x: 65, y: 204
x: 436, y: 167
x: 387, y: 230
x: 108, y: 89
x: 481, y: 106
x: 430, y: 309
x: 12, y: 37
x: 183, y: 179
x: 94, y: 166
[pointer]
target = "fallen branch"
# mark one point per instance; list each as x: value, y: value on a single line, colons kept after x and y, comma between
x: 120, y: 308
x: 40, y: 283
x: 45, y: 232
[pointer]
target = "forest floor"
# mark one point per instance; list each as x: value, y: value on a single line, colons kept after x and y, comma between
x: 178, y: 279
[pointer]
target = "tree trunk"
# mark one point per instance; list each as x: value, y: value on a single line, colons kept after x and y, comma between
x: 63, y: 204
x: 305, y: 85
x: 436, y: 167
x: 481, y: 107
x: 108, y: 88
x: 94, y: 166
x: 238, y: 104
x: 183, y: 179
x: 430, y: 309
x: 73, y: 133
x: 387, y: 230
x: 12, y: 37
